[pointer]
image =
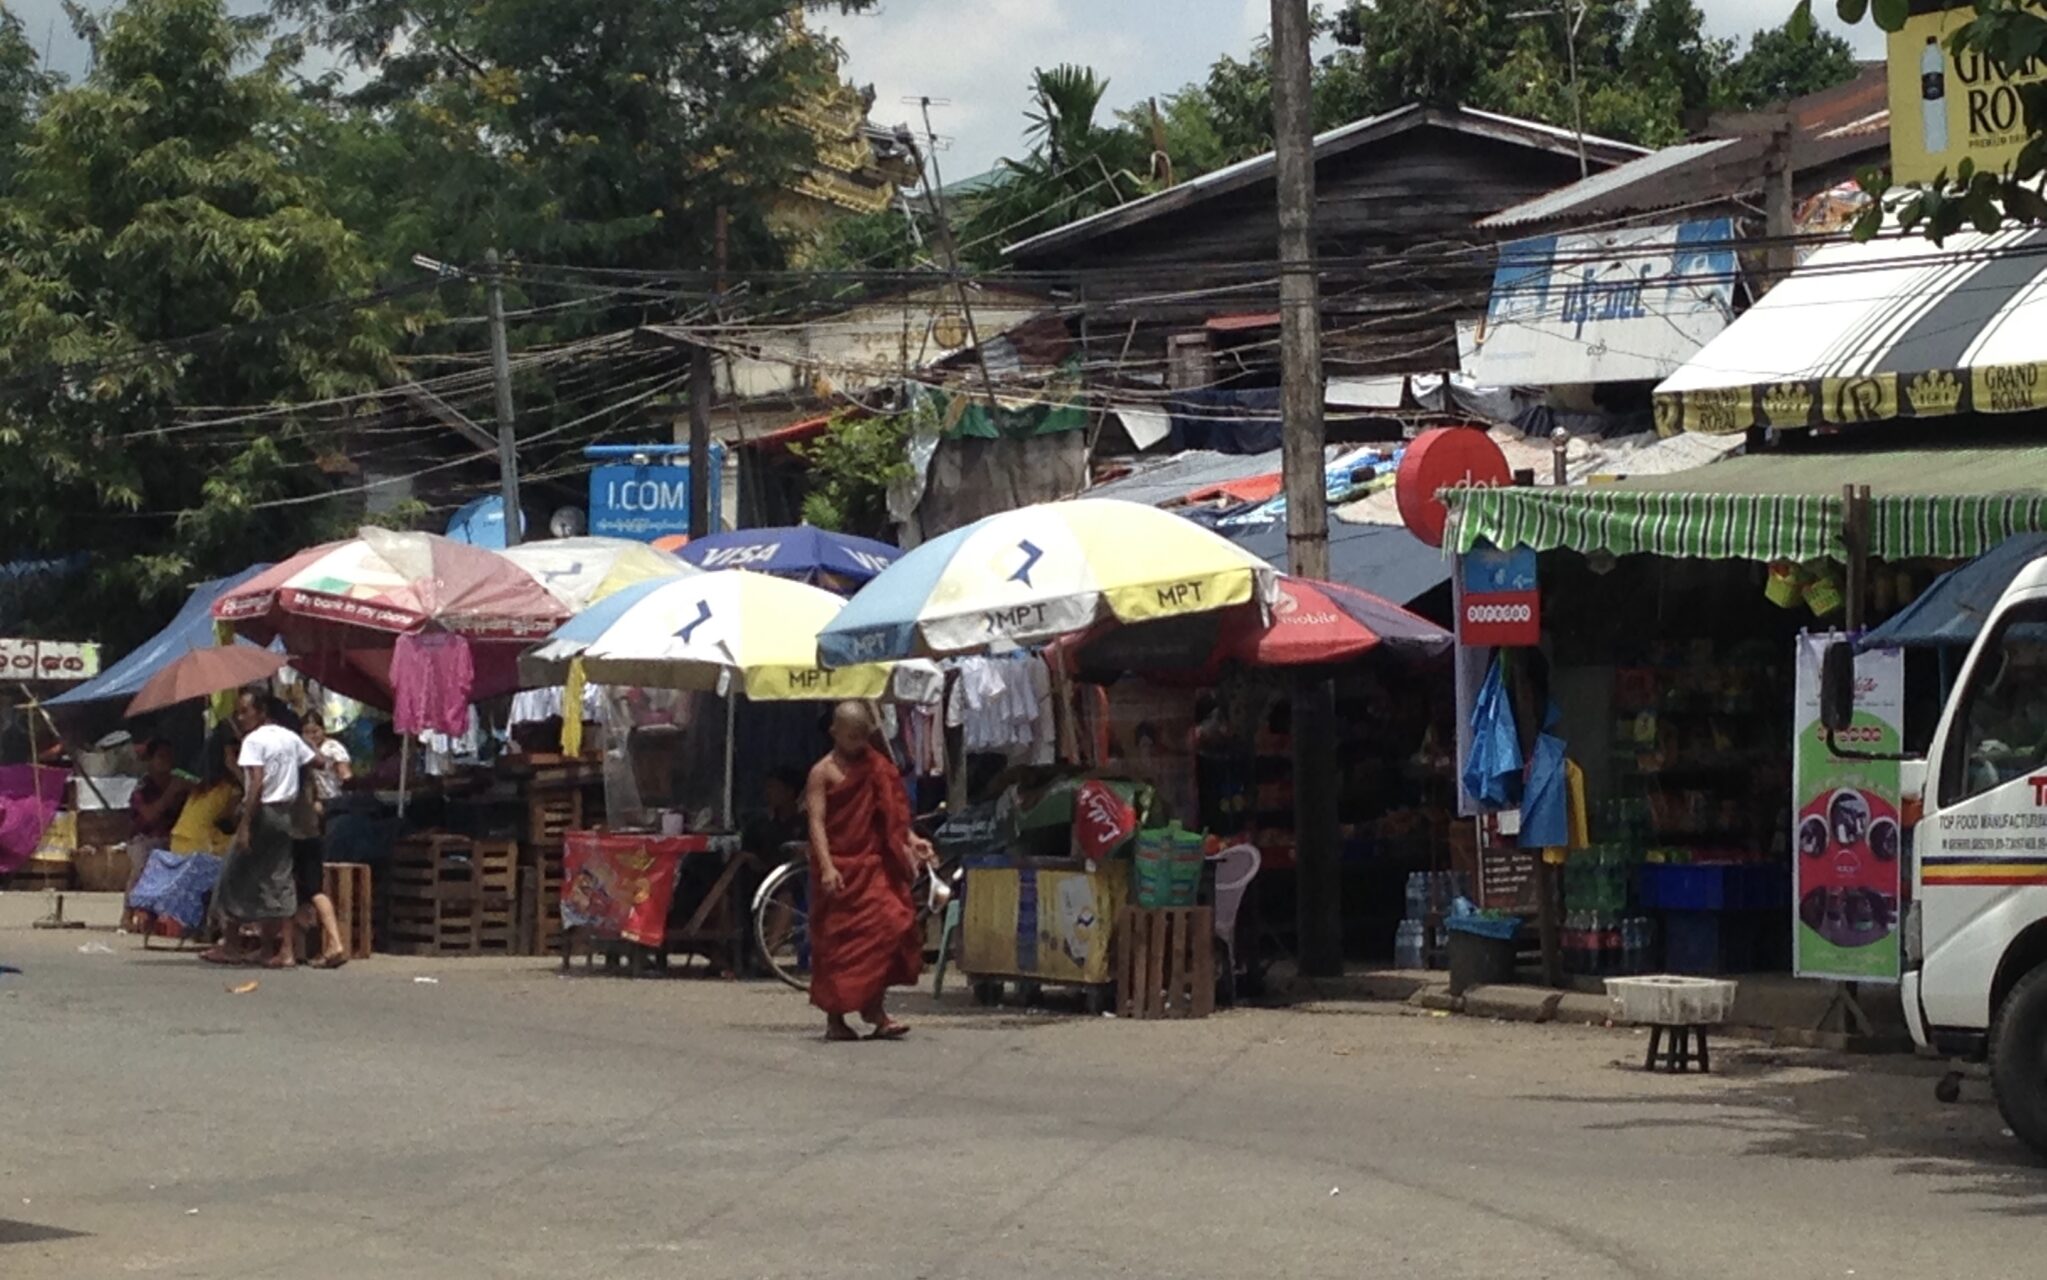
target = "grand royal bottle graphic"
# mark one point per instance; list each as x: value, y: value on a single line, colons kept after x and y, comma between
x: 1933, y: 97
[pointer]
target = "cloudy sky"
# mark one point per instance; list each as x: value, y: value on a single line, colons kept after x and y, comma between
x: 974, y: 57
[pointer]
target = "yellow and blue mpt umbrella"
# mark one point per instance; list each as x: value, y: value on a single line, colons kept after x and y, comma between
x: 1039, y: 572
x: 734, y: 631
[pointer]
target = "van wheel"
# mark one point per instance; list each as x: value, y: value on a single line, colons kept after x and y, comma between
x: 2018, y: 1060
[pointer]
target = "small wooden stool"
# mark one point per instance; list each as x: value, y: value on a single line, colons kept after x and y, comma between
x: 1677, y: 1048
x: 347, y: 886
x: 1165, y: 962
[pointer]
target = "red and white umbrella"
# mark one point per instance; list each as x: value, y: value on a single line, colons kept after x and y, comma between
x: 341, y: 607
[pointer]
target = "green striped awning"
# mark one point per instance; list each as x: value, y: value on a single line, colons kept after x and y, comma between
x: 1927, y: 502
x: 1710, y: 526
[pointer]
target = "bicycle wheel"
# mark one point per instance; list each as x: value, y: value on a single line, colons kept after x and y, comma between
x: 781, y: 923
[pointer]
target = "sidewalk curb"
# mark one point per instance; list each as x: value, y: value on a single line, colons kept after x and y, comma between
x: 1513, y: 1004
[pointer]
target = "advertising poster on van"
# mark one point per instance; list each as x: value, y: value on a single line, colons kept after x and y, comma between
x: 1846, y: 838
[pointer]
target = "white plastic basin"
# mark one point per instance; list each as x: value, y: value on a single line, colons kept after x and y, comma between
x: 1668, y: 1000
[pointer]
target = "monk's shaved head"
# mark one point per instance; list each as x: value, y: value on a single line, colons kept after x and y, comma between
x: 853, y: 726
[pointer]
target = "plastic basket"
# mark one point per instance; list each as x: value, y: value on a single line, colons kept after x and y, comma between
x: 1498, y: 928
x: 1169, y: 861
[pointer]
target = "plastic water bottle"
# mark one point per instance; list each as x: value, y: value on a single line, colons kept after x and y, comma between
x: 1636, y: 942
x: 1417, y: 896
x: 1407, y: 945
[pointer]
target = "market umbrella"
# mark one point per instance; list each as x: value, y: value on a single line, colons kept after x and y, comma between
x: 803, y: 552
x: 582, y: 571
x: 205, y: 671
x: 1039, y: 572
x: 341, y: 607
x: 731, y: 631
x: 1309, y: 622
x: 735, y: 632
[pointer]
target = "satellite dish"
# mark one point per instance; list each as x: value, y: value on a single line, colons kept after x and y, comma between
x: 568, y: 522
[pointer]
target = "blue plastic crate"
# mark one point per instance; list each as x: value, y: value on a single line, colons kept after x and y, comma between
x: 1683, y: 888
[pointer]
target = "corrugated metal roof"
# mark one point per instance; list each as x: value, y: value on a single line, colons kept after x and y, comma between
x: 1171, y: 479
x: 1590, y: 191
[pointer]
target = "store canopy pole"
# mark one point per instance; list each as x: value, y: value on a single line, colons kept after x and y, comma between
x: 731, y: 720
x: 1855, y: 536
x: 404, y: 768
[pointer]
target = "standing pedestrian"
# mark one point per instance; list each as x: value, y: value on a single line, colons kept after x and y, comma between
x: 864, y: 859
x: 322, y: 781
x: 256, y: 885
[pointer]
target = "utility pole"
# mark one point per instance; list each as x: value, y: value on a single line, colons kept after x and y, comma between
x: 501, y: 368
x: 934, y: 191
x: 1780, y: 214
x: 1319, y: 904
x: 702, y: 387
x: 1573, y: 13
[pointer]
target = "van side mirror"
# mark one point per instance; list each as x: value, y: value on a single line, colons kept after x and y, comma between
x: 1837, y: 686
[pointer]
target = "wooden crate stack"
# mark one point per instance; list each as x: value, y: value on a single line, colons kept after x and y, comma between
x: 551, y: 813
x: 452, y: 896
x: 1165, y: 962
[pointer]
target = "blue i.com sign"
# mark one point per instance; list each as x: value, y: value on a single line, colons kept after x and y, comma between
x: 646, y: 501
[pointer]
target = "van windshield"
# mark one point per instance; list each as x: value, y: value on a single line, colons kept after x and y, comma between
x: 2002, y: 729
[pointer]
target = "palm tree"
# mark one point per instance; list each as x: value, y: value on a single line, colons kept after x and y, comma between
x: 1075, y: 167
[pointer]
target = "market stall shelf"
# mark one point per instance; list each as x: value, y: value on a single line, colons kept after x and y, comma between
x: 1165, y: 962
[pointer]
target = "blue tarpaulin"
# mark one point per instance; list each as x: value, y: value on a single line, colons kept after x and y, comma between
x: 1954, y: 608
x: 191, y: 629
x: 1384, y: 559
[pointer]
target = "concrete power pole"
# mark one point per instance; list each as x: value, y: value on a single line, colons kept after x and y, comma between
x: 703, y: 380
x: 501, y: 369
x: 1320, y: 881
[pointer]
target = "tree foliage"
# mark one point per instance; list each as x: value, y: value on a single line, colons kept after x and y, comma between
x: 166, y: 248
x: 582, y: 131
x: 23, y: 84
x: 851, y: 467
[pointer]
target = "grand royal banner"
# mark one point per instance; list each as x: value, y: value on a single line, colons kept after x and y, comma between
x: 1948, y: 106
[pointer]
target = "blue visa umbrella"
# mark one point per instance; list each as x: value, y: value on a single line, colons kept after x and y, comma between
x: 803, y: 552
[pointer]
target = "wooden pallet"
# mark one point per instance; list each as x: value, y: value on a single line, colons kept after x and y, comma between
x: 551, y: 813
x: 1165, y: 962
x: 540, y: 916
x: 451, y: 895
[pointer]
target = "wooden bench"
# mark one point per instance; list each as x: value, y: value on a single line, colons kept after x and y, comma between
x: 1165, y: 962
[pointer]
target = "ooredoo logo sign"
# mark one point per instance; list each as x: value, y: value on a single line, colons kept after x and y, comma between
x: 1500, y: 603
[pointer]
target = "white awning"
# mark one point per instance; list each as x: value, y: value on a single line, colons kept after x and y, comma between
x: 1894, y: 328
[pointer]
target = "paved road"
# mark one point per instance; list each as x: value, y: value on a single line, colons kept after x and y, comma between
x: 504, y: 1122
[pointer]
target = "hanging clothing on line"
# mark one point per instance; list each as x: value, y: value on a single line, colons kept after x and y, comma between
x: 431, y: 679
x: 1003, y: 705
x: 535, y: 705
x: 924, y: 741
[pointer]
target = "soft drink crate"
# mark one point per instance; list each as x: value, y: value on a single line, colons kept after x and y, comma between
x: 1710, y: 887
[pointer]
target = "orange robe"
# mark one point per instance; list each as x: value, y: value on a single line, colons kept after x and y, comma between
x: 863, y: 938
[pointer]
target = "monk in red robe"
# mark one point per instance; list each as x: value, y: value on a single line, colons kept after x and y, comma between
x: 863, y: 862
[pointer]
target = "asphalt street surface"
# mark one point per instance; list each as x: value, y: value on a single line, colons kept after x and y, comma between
x: 501, y: 1121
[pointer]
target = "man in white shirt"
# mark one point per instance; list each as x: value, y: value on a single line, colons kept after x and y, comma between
x: 256, y: 885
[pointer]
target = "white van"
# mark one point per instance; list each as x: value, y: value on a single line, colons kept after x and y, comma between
x: 1975, y: 928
